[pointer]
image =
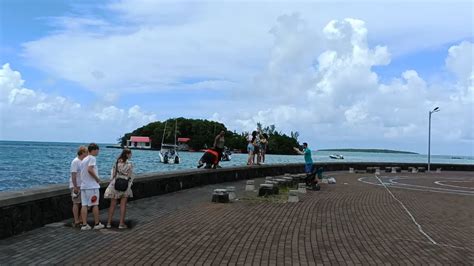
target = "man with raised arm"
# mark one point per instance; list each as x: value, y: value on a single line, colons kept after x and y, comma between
x: 308, y: 166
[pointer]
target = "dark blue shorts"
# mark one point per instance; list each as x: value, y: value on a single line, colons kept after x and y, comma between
x: 308, y: 168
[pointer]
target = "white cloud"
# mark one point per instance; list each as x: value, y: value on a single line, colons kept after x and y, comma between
x: 55, y: 117
x: 460, y: 61
x: 304, y: 70
x: 110, y: 113
x: 135, y: 113
x: 15, y: 95
x: 154, y: 45
x: 343, y: 99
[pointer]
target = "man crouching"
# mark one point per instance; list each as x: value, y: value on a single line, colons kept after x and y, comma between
x: 209, y: 159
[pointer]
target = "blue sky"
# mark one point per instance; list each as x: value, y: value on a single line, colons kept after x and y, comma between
x: 345, y: 74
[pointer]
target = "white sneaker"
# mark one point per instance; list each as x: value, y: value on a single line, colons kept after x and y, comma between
x: 86, y: 227
x: 98, y: 226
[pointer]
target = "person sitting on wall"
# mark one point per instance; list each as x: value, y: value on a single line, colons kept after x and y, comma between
x: 210, y: 159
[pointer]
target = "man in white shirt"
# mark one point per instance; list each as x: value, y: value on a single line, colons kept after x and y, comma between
x: 90, y: 185
x: 75, y: 184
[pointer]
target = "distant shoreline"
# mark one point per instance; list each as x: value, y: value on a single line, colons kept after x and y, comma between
x: 370, y: 150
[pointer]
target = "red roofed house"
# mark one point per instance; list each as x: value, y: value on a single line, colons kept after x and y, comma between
x: 183, y: 144
x: 139, y: 142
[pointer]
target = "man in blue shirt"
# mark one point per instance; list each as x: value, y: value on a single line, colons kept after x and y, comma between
x: 308, y: 167
x: 311, y: 180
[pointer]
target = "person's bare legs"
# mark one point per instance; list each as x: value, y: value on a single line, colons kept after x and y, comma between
x: 250, y: 159
x: 95, y: 211
x: 75, y: 213
x: 123, y: 210
x: 113, y: 203
x: 84, y: 214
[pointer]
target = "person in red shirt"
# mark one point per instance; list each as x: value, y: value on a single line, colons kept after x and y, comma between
x: 210, y: 159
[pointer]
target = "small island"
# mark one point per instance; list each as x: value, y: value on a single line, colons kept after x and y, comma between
x: 199, y: 134
x: 369, y: 150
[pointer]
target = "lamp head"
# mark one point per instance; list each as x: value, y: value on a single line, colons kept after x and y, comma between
x: 435, y: 110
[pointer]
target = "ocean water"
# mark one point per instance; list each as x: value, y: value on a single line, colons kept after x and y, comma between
x: 29, y: 164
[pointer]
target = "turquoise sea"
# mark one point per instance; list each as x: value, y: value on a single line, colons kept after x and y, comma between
x: 29, y: 164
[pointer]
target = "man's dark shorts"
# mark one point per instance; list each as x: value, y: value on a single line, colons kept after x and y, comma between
x: 308, y: 168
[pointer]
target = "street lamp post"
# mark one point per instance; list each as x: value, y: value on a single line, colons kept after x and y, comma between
x: 429, y: 134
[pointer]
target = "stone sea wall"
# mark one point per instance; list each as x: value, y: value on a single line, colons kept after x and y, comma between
x: 25, y: 210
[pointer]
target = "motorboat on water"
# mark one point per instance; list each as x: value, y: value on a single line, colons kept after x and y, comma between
x: 169, y: 152
x: 226, y: 155
x: 336, y: 156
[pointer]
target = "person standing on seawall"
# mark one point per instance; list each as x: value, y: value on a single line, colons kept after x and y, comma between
x: 75, y: 183
x: 263, y: 146
x: 123, y: 168
x: 218, y: 146
x: 308, y: 161
x: 251, y: 139
x: 90, y: 185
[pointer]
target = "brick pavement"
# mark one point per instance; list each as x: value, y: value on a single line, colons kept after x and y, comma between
x: 352, y: 222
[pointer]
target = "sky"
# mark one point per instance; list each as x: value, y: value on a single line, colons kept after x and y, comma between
x: 344, y: 74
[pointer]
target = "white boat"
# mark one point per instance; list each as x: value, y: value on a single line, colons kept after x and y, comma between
x: 169, y: 152
x: 226, y: 155
x: 336, y: 156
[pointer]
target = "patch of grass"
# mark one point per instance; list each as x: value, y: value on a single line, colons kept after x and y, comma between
x: 282, y: 197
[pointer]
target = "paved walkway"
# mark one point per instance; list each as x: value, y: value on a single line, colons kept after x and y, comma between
x: 356, y: 221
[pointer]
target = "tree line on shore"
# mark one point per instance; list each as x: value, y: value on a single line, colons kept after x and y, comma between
x: 202, y: 132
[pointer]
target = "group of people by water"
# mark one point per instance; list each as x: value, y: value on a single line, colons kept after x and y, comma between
x: 84, y: 180
x: 85, y: 185
x: 257, y: 147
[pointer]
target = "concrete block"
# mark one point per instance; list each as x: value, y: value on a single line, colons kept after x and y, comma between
x: 289, y: 180
x: 266, y: 190
x: 231, y: 191
x: 370, y: 170
x: 275, y: 183
x: 293, y: 196
x: 282, y: 182
x: 302, y: 188
x: 250, y: 186
x: 220, y: 195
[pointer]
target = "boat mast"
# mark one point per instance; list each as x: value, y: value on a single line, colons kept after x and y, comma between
x: 175, y: 129
x: 163, y: 138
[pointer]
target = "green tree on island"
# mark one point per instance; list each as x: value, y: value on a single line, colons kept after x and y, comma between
x: 202, y: 133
